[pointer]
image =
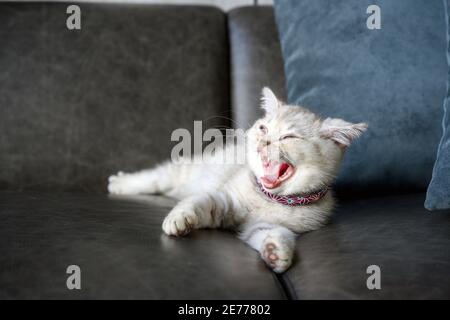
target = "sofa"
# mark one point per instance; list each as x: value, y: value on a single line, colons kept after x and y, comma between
x: 79, y: 105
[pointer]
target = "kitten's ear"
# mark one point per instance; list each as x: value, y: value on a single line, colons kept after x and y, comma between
x: 269, y: 101
x: 341, y: 132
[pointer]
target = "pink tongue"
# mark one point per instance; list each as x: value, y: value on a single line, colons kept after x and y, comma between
x: 272, y: 171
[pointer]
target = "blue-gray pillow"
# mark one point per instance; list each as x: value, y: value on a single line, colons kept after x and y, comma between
x: 394, y: 78
x: 438, y: 193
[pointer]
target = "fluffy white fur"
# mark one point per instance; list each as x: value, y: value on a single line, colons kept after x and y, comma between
x: 226, y: 196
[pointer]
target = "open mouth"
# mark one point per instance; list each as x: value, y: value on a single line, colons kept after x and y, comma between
x: 275, y: 173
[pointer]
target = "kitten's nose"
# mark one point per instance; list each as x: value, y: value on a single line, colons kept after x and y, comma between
x: 262, y: 144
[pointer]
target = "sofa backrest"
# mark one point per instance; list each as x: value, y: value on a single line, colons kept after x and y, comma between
x: 78, y: 105
x: 255, y: 59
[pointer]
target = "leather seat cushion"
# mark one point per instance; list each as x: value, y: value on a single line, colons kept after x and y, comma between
x: 119, y: 245
x: 410, y: 245
x: 122, y: 252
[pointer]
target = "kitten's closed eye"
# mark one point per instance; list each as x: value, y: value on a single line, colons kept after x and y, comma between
x: 289, y: 136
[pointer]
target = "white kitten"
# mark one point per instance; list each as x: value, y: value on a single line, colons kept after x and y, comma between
x: 292, y: 158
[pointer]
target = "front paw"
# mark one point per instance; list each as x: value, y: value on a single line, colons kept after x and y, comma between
x: 180, y: 221
x: 276, y: 255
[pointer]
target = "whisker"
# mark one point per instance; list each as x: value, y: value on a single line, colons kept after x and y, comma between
x: 221, y: 117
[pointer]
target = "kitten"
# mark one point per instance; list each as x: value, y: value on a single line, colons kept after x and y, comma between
x: 292, y: 158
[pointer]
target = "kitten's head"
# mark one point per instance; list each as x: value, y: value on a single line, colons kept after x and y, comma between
x: 291, y: 150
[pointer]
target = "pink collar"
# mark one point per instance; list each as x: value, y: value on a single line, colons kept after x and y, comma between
x: 295, y: 200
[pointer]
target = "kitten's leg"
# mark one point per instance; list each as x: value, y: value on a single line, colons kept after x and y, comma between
x: 276, y: 244
x: 205, y: 211
x: 157, y: 180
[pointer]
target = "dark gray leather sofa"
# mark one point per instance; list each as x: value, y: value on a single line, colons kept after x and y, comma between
x: 76, y: 106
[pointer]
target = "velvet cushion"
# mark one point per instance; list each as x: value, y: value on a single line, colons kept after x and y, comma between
x: 438, y: 193
x: 394, y: 78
